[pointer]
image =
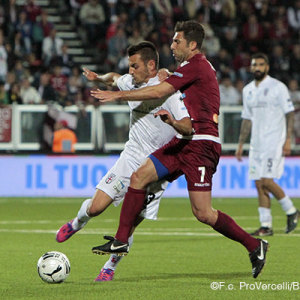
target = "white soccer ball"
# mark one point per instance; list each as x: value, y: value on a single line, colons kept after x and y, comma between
x: 53, y: 267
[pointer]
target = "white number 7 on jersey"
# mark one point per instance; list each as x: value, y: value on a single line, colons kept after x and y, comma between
x: 202, y: 172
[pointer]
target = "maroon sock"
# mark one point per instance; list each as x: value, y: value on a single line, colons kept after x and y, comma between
x: 131, y: 208
x: 227, y: 226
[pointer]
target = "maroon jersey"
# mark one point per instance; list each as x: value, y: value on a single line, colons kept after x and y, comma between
x: 196, y: 79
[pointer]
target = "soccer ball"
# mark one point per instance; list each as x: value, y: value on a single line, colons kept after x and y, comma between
x: 53, y: 267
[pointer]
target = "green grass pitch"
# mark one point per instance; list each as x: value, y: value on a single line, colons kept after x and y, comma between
x: 174, y: 257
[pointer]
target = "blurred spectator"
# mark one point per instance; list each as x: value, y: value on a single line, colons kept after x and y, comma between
x: 223, y: 64
x: 32, y: 10
x: 253, y: 33
x: 112, y: 28
x: 294, y: 92
x: 19, y: 48
x: 211, y: 43
x: 92, y: 18
x: 14, y: 94
x: 279, y: 31
x: 65, y: 60
x: 112, y: 7
x: 163, y: 8
x: 19, y: 70
x: 28, y: 93
x: 64, y: 138
x: 228, y: 37
x: 117, y: 45
x: 41, y: 30
x: 293, y: 13
x: 192, y: 7
x: 10, y: 80
x: 279, y: 64
x: 11, y: 56
x: 46, y: 91
x: 3, y: 59
x: 166, y: 59
x: 149, y: 8
x: 11, y: 16
x: 229, y: 95
x: 264, y: 15
x: 295, y: 62
x: 244, y: 9
x: 52, y: 47
x: 58, y: 80
x: 145, y: 25
x: 64, y: 98
x: 24, y: 26
x: 75, y: 84
x: 228, y: 13
x: 209, y: 15
x: 136, y: 37
x: 179, y: 10
x: 241, y: 63
x: 3, y: 94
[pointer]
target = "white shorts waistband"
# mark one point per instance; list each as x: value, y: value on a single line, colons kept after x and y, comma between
x: 197, y: 137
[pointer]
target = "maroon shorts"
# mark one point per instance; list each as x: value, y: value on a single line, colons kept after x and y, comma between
x: 196, y: 159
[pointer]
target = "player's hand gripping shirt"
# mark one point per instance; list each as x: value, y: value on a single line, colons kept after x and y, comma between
x: 146, y: 132
x: 266, y: 105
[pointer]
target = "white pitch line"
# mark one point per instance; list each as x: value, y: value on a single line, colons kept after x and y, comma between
x: 140, y: 232
x: 163, y: 219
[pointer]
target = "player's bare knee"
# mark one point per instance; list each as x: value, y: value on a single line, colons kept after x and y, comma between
x: 138, y: 181
x: 202, y: 216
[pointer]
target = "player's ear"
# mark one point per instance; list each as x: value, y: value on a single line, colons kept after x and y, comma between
x: 151, y: 65
x: 193, y: 45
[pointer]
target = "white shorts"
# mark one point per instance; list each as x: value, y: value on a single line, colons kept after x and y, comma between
x: 116, y: 182
x: 265, y: 165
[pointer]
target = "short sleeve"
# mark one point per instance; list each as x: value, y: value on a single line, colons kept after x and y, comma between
x: 246, y: 112
x: 284, y: 98
x: 124, y: 83
x: 183, y: 76
x: 176, y: 107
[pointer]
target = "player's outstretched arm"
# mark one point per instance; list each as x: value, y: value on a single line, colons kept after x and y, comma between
x: 183, y: 126
x: 109, y: 79
x: 245, y: 131
x: 159, y: 91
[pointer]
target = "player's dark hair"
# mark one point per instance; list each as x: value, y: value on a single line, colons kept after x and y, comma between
x: 147, y: 51
x: 262, y: 56
x: 192, y: 30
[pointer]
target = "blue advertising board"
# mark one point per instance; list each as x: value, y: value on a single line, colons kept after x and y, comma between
x: 77, y: 176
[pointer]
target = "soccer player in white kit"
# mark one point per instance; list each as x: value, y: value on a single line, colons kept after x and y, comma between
x: 268, y: 113
x: 147, y: 133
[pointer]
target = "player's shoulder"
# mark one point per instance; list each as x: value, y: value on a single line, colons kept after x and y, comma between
x: 249, y: 86
x: 275, y: 83
x: 125, y: 82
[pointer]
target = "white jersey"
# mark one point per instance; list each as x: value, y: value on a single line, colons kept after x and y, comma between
x: 146, y: 135
x: 266, y: 106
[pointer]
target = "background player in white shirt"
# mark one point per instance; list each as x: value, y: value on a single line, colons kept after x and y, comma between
x: 147, y: 133
x: 268, y: 113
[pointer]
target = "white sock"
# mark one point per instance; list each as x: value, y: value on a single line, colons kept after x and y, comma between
x: 287, y: 205
x: 265, y: 217
x: 115, y: 259
x: 82, y: 217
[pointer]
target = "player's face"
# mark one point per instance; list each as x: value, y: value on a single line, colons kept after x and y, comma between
x: 179, y: 47
x: 138, y: 69
x: 259, y: 68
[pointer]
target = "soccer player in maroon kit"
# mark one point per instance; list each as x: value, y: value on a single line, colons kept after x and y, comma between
x: 196, y: 156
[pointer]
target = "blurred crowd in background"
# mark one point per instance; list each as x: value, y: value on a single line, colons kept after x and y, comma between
x: 36, y: 67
